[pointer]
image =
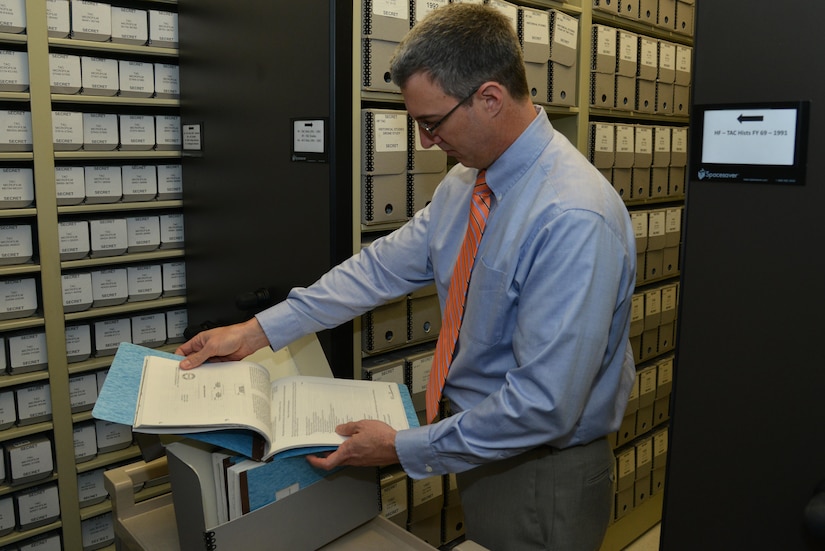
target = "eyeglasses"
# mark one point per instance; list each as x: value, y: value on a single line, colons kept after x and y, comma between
x: 430, y: 128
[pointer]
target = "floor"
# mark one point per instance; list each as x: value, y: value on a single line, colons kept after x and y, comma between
x: 649, y: 541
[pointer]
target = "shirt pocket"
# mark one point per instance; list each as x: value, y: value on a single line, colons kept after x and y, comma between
x: 487, y: 305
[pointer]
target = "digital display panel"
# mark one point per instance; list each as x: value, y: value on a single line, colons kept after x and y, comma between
x: 757, y: 143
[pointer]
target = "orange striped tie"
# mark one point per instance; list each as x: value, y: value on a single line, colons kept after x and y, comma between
x: 457, y: 294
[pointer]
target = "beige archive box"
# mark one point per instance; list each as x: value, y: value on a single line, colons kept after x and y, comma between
x: 420, y: 189
x: 603, y: 49
x: 420, y: 159
x: 627, y: 53
x: 609, y: 6
x: 648, y: 10
x: 384, y: 327
x: 384, y: 141
x: 643, y: 146
x: 536, y: 47
x: 384, y: 25
x: 602, y: 144
x: 563, y: 66
x: 685, y: 15
x: 417, y: 366
x: 383, y: 198
x: 375, y: 59
x: 625, y: 148
x: 424, y: 315
x: 666, y: 18
x: 394, y: 498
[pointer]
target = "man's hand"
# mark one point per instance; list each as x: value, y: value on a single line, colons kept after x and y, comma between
x: 223, y: 344
x: 370, y: 444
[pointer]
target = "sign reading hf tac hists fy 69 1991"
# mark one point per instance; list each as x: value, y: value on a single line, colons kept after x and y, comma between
x: 755, y: 143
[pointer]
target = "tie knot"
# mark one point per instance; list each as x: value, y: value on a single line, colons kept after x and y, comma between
x: 481, y: 187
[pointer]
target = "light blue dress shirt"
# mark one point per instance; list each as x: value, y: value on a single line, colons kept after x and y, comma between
x: 543, y: 355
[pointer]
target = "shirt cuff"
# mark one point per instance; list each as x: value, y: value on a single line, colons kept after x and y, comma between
x: 280, y: 325
x: 415, y: 453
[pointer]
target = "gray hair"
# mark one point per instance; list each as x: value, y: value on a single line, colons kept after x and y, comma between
x: 461, y: 46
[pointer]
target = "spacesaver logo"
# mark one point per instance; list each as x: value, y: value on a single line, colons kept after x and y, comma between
x: 706, y: 175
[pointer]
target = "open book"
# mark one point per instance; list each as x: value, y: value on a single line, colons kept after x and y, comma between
x: 240, y: 406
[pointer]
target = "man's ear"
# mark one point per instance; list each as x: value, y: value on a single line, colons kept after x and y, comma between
x: 493, y: 95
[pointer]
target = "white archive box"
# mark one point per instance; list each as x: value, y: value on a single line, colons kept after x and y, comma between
x: 170, y: 182
x: 108, y: 237
x: 144, y: 233
x: 58, y: 20
x: 100, y: 132
x: 174, y: 278
x: 8, y: 415
x: 50, y: 541
x: 163, y: 29
x: 112, y: 436
x: 15, y: 130
x: 74, y: 239
x: 109, y: 334
x: 12, y: 16
x: 99, y: 76
x: 85, y: 442
x: 110, y: 287
x: 37, y: 507
x: 137, y: 132
x: 29, y: 460
x: 97, y: 532
x: 91, y: 20
x: 144, y: 282
x: 104, y: 184
x: 14, y: 71
x: 77, y: 291
x: 91, y: 488
x: 140, y: 182
x: 70, y: 184
x: 34, y: 405
x: 67, y: 130
x: 78, y: 343
x: 16, y: 187
x: 171, y: 231
x: 137, y: 79
x: 130, y: 26
x: 149, y: 330
x: 167, y: 81
x: 167, y: 132
x: 18, y: 298
x: 64, y: 73
x: 16, y: 246
x: 176, y: 323
x: 27, y: 352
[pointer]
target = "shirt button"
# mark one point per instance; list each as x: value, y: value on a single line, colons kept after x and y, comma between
x: 428, y: 468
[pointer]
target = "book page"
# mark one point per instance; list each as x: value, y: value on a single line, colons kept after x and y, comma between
x: 212, y: 396
x: 306, y: 410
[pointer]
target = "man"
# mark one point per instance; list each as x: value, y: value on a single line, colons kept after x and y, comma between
x: 541, y: 369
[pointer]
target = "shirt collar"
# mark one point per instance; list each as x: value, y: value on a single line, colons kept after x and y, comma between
x: 508, y: 169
